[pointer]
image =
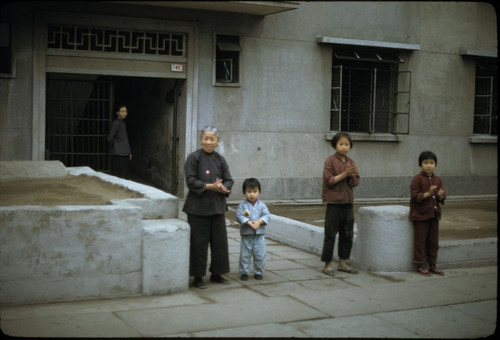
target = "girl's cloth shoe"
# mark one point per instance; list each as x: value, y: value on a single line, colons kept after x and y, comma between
x: 423, y: 271
x: 436, y: 270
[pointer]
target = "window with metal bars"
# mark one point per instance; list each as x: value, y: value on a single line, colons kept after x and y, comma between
x: 368, y: 92
x: 227, y: 59
x: 486, y: 97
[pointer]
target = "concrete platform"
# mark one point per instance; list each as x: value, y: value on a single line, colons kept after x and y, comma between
x: 293, y: 300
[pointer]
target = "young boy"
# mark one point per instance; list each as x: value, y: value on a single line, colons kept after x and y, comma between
x: 427, y: 192
x: 253, y: 216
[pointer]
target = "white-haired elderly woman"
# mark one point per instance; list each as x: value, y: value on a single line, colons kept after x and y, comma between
x: 209, y: 182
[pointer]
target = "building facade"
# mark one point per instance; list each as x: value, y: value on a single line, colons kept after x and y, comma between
x: 278, y: 79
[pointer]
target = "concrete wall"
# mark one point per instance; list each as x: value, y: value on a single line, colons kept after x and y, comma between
x: 275, y: 125
x: 383, y: 241
x: 131, y: 247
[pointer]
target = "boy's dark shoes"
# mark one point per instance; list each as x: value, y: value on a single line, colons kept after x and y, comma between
x: 244, y: 277
x: 258, y: 277
x: 199, y: 283
x: 216, y: 278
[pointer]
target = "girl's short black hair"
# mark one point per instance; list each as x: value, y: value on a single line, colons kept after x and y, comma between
x: 251, y: 183
x: 427, y: 155
x: 339, y: 135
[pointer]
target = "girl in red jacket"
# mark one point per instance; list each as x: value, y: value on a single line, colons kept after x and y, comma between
x: 340, y: 175
x: 427, y: 193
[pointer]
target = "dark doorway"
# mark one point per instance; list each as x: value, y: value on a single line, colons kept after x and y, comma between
x: 79, y: 109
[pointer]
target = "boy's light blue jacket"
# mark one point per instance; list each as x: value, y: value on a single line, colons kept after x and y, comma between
x: 258, y: 211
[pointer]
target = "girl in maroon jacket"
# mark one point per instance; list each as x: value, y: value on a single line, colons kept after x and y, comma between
x: 340, y: 175
x: 427, y: 193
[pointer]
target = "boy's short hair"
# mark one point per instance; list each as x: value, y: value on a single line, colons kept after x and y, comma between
x: 427, y: 155
x: 251, y: 183
x: 339, y: 135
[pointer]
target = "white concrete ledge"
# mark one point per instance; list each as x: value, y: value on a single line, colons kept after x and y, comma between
x: 385, y: 239
x: 165, y: 256
x: 31, y: 169
x: 50, y: 253
x: 156, y: 203
x: 461, y: 253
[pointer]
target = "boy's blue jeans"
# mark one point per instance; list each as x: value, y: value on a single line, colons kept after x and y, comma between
x: 252, y: 245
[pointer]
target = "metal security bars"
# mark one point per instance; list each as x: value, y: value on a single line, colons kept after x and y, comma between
x: 78, y: 114
x: 369, y: 100
x: 93, y: 39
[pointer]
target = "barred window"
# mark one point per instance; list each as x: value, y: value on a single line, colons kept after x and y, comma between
x: 227, y: 59
x: 365, y: 96
x: 486, y: 97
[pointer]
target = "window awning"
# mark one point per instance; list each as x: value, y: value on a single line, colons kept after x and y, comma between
x: 370, y: 54
x: 367, y: 50
x: 368, y: 43
x: 479, y: 53
x: 228, y: 46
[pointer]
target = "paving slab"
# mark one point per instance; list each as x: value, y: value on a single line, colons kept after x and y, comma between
x: 163, y: 321
x: 265, y: 330
x: 401, y: 296
x: 364, y: 326
x: 443, y: 321
x: 88, y: 325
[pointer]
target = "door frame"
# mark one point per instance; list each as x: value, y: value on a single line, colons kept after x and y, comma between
x: 43, y: 63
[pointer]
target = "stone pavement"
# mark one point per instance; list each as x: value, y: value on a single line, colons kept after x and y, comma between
x: 293, y: 300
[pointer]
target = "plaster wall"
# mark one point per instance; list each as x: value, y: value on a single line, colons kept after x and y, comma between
x: 274, y: 125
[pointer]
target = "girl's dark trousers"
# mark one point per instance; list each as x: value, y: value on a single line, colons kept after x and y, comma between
x: 339, y: 218
x: 426, y: 241
x: 208, y: 230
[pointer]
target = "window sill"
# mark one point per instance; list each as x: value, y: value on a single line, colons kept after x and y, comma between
x: 483, y: 139
x: 227, y: 84
x: 366, y: 137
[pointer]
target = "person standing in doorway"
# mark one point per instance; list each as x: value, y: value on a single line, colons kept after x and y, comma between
x: 121, y: 154
x: 209, y: 182
x: 340, y: 176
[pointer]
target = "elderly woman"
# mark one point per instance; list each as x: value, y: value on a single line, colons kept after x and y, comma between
x: 209, y: 182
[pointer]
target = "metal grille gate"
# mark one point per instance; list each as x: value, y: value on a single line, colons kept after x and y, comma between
x: 78, y: 115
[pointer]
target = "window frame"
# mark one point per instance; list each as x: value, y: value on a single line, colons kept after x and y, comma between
x: 342, y: 59
x: 227, y: 47
x: 491, y: 95
x: 10, y: 49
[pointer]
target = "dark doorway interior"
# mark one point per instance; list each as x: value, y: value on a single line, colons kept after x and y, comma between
x: 79, y: 109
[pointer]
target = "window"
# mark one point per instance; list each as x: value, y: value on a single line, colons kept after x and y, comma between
x: 365, y: 96
x: 227, y: 59
x: 486, y: 99
x: 6, y: 58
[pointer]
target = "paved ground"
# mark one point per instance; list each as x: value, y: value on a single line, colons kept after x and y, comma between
x: 293, y: 300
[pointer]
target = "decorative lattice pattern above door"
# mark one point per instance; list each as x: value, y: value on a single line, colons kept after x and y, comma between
x: 65, y: 37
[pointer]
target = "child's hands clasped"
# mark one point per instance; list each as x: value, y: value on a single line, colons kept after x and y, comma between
x: 254, y: 224
x: 351, y: 170
x: 432, y: 191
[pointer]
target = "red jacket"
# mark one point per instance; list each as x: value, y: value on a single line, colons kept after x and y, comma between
x: 424, y: 209
x: 341, y: 192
